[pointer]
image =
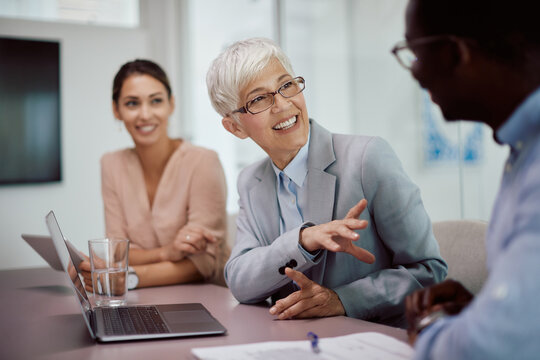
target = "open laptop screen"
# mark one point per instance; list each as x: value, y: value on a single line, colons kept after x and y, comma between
x: 69, y: 268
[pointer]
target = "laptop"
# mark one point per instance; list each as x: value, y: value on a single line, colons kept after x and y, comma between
x: 140, y: 322
x: 44, y: 246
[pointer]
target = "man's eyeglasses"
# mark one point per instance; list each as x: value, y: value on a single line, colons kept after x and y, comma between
x: 265, y: 101
x: 406, y: 57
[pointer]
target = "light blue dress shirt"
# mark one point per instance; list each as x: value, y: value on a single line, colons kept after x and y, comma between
x: 290, y: 190
x: 292, y: 195
x: 503, y: 321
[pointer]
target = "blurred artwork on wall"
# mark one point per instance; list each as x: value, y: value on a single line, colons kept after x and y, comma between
x: 449, y: 142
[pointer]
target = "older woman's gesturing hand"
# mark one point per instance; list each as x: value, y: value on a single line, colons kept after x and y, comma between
x: 338, y: 235
x: 312, y: 300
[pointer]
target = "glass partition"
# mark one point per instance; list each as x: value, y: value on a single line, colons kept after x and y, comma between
x: 353, y: 85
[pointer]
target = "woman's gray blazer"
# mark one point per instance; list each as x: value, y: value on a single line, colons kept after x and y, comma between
x: 342, y: 170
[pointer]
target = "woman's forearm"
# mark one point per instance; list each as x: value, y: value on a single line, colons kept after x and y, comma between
x: 167, y: 273
x: 145, y: 256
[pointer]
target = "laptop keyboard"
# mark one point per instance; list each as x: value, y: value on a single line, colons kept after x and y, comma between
x: 133, y: 320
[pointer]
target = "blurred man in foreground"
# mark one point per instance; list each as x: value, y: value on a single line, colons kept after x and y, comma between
x: 480, y: 60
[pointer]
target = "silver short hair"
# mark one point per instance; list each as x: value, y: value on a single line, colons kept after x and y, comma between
x: 236, y: 66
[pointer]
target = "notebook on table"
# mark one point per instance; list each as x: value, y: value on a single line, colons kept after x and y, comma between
x: 122, y: 323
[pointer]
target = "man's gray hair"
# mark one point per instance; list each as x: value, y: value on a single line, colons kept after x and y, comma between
x: 236, y: 66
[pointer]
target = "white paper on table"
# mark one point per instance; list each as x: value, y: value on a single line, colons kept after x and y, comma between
x: 365, y: 346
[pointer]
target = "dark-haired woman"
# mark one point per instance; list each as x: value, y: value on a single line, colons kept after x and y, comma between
x: 167, y: 196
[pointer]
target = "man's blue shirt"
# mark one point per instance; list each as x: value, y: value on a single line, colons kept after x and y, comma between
x: 503, y: 321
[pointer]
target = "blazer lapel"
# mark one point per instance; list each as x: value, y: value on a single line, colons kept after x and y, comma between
x: 321, y: 186
x: 264, y: 203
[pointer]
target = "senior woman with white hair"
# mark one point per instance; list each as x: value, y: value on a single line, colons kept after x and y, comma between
x: 303, y: 207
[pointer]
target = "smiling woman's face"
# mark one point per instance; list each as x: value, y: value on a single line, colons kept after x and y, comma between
x: 281, y: 130
x: 144, y: 107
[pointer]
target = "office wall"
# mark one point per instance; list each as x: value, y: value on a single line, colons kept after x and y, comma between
x: 90, y: 57
x: 340, y: 46
x: 353, y: 85
x: 388, y: 102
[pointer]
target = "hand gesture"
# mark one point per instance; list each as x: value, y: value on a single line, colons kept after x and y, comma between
x: 312, y: 300
x: 449, y: 296
x: 86, y: 272
x: 338, y: 235
x: 192, y: 239
x: 74, y: 275
x: 114, y: 284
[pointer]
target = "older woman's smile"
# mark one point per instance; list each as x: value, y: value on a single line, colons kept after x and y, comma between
x: 287, y: 124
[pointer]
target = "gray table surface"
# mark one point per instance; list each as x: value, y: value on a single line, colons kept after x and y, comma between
x: 41, y: 319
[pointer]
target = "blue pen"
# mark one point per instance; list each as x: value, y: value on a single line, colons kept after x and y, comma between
x: 314, y: 342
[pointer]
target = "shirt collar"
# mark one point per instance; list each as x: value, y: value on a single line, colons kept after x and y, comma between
x: 297, y: 169
x: 524, y: 122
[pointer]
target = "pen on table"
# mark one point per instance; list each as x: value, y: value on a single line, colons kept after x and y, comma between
x: 314, y: 342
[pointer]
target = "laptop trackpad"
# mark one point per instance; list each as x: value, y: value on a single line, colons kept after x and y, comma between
x: 187, y: 316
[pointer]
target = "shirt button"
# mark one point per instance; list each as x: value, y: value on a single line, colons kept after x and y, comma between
x: 292, y: 201
x: 508, y: 167
x: 292, y: 264
x: 519, y: 145
x: 500, y: 292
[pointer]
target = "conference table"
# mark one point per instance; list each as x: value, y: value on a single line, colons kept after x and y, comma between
x: 41, y: 319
